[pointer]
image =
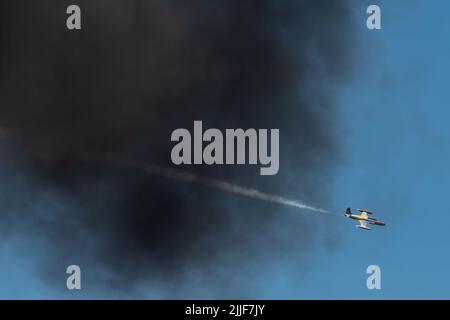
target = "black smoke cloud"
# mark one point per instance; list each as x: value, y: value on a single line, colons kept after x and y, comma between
x: 135, y: 72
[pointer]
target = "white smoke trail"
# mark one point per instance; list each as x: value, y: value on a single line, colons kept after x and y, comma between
x: 208, y: 182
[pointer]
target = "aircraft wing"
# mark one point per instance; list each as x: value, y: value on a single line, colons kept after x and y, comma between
x: 364, y: 214
x: 363, y: 224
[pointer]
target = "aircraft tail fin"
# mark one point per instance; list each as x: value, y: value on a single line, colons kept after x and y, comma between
x: 348, y: 211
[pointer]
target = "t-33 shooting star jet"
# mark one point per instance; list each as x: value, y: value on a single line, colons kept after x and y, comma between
x: 363, y: 218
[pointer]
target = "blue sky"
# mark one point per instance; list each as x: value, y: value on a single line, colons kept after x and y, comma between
x: 393, y: 115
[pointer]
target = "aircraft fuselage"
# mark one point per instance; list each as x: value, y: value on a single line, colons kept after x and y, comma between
x: 367, y: 219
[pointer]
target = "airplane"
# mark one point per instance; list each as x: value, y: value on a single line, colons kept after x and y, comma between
x: 363, y: 218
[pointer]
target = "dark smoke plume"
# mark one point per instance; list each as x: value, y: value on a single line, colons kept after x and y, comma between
x: 135, y: 72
